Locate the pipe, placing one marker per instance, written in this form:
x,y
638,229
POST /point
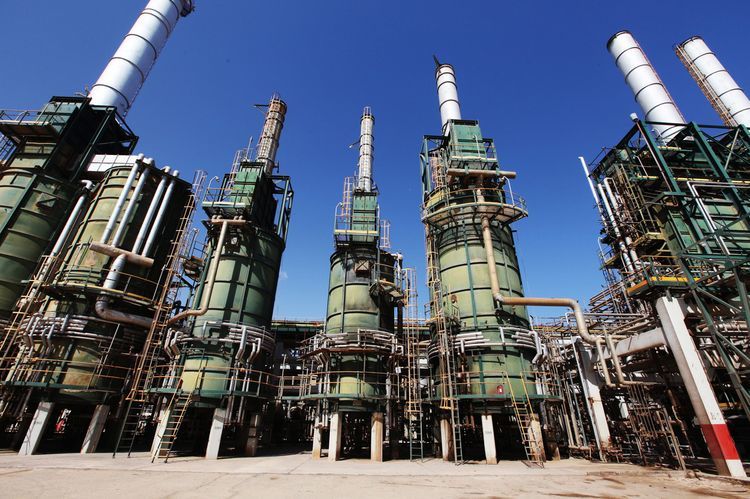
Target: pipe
x,y
131,257
121,229
721,90
120,202
268,143
87,186
160,214
102,302
206,293
619,209
450,108
145,225
127,70
481,173
649,90
616,229
366,151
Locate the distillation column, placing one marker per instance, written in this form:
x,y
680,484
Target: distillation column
x,y
468,211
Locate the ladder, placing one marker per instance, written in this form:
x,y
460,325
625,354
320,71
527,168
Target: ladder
x,y
449,396
524,413
414,413
178,407
144,371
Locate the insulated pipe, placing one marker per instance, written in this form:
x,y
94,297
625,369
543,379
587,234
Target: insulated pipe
x,y
268,143
125,73
152,208
450,108
208,289
615,227
724,94
120,202
132,203
160,214
88,186
366,151
649,90
618,208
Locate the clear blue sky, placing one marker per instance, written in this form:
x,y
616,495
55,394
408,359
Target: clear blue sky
x,y
536,74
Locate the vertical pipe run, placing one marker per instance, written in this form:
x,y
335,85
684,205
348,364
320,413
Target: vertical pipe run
x,y
450,108
268,143
126,71
649,90
120,202
366,151
722,91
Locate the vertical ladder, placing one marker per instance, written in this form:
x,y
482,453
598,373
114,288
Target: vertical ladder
x,y
414,391
178,407
144,371
524,413
449,385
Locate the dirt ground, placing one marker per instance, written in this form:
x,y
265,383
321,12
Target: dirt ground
x,y
74,475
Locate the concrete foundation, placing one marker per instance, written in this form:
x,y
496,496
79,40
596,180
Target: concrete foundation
x,y
96,427
214,435
376,436
253,435
161,427
536,438
317,447
36,430
446,439
591,383
334,437
488,434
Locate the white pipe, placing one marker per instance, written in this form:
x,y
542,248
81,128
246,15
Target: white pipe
x,y
152,208
649,90
125,73
724,94
268,143
619,208
450,108
132,203
160,214
88,186
366,151
120,202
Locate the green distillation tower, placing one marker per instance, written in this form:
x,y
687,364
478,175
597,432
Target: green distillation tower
x,y
355,354
89,306
222,347
481,351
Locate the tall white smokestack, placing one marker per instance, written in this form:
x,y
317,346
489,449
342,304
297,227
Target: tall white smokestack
x,y
450,109
726,97
123,77
649,90
366,151
268,143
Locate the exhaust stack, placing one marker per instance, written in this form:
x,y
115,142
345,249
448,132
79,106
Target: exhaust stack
x,y
726,97
268,143
649,90
450,109
366,151
126,71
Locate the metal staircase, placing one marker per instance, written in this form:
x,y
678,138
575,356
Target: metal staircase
x,y
177,409
524,414
449,384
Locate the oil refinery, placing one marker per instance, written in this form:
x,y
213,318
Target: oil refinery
x,y
137,299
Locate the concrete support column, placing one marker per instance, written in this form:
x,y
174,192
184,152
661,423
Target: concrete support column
x,y
591,383
253,435
334,436
214,435
317,437
96,427
488,434
161,427
36,430
446,439
536,438
707,411
376,437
